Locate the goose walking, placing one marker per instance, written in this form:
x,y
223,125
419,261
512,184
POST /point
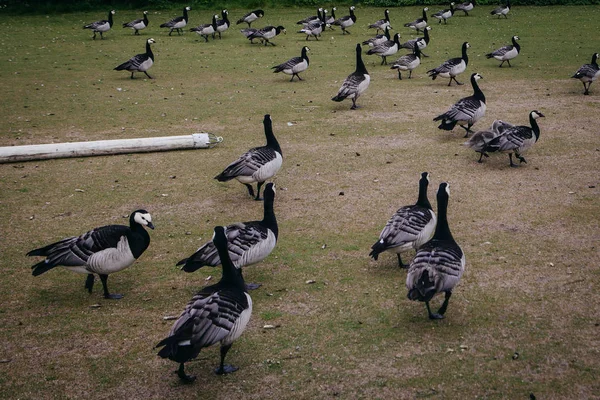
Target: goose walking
x,y
250,17
420,23
588,73
421,42
465,7
387,48
438,264
330,19
506,53
467,110
295,65
103,251
140,62
502,11
378,39
408,63
381,24
138,24
249,33
312,18
452,67
409,228
102,25
444,15
217,313
480,139
205,30
313,29
223,24
257,164
346,21
356,83
266,34
177,23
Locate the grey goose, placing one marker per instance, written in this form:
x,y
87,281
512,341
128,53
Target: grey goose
x,y
138,24
588,73
502,11
346,21
140,62
506,53
265,34
480,139
408,63
385,49
465,7
223,24
444,15
177,23
313,28
422,42
102,25
356,83
250,17
294,65
378,39
420,23
312,18
452,67
381,24
205,30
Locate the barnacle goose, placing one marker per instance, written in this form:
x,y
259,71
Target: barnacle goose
x,y
346,21
452,67
265,34
248,242
467,110
311,18
177,23
356,83
409,227
588,73
101,26
217,313
420,23
257,164
378,39
506,53
140,62
381,24
138,24
251,17
517,139
313,29
444,15
465,7
331,19
387,48
249,33
295,65
481,139
207,29
502,10
408,62
422,42
223,23
103,251
439,263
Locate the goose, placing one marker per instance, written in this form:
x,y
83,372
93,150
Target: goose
x,y
452,67
313,29
409,227
502,10
465,7
251,17
312,18
387,48
267,33
257,164
103,251
408,63
422,42
223,23
506,53
444,15
140,62
381,24
217,313
439,263
102,25
481,139
294,65
517,139
356,83
420,23
207,29
249,33
248,242
588,73
331,19
467,110
177,23
346,21
378,39
138,24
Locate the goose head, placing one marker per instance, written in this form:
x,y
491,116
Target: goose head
x,y
535,114
145,13
150,41
143,218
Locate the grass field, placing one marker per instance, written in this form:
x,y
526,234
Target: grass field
x,y
524,319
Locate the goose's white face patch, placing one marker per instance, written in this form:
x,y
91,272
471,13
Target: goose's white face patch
x,y
188,9
142,219
448,189
113,12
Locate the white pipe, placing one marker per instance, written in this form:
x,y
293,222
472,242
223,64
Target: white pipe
x,y
107,147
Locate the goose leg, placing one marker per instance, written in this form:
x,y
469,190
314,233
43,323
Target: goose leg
x,y
300,79
444,306
354,106
424,55
587,88
183,376
500,66
399,75
521,158
258,186
223,368
511,161
89,282
94,37
457,82
410,74
107,295
148,75
131,74
508,61
400,263
250,189
432,315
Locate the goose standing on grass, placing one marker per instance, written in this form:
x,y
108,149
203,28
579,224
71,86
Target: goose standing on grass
x,y
452,67
480,139
502,10
382,23
409,228
257,164
295,65
223,24
266,34
217,313
387,48
346,21
356,83
331,19
422,42
517,139
312,18
467,110
177,23
465,7
506,53
588,73
444,15
251,17
378,39
420,23
101,251
313,29
248,242
101,26
408,62
249,33
140,62
138,24
438,264
205,30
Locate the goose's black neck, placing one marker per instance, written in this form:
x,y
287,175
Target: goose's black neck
x,y
465,57
515,44
110,19
426,35
146,19
269,219
231,276
387,33
477,93
423,201
534,126
417,51
360,65
225,16
303,55
387,15
352,16
271,140
185,14
424,15
442,230
214,22
595,60
149,50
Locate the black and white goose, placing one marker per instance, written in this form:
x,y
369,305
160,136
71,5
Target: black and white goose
x,y
177,23
257,164
223,24
140,62
506,53
517,139
250,17
444,15
266,34
408,62
465,7
381,24
502,10
249,33
588,73
248,242
422,42
103,251
467,110
439,263
313,28
102,25
217,313
480,139
205,30
356,83
138,24
330,19
312,18
295,65
387,48
409,228
346,21
452,67
378,39
420,23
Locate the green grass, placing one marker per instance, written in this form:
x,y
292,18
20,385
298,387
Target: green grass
x,y
530,235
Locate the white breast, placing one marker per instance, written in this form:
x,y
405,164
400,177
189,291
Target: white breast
x,y
240,324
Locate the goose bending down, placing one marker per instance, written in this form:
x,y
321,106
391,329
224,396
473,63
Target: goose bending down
x,y
103,251
422,42
102,25
177,23
140,62
356,83
517,139
409,228
588,73
408,62
452,67
257,164
420,23
248,242
381,24
205,30
387,48
346,21
223,24
312,18
378,39
330,19
249,33
313,29
444,15
295,65
138,24
467,110
480,139
217,313
502,10
465,7
506,53
266,34
438,264
250,17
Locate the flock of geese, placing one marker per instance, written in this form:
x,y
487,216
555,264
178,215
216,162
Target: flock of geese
x,y
220,313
